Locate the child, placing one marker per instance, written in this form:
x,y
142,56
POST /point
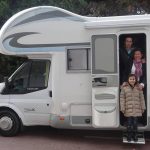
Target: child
x,y
132,105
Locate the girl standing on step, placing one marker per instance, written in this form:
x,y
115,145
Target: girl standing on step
x,y
132,105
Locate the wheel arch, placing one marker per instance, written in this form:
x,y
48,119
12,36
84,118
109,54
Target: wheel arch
x,y
14,110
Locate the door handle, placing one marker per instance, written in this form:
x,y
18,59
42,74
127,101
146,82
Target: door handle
x,y
103,80
100,81
50,93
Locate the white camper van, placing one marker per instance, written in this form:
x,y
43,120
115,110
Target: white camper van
x,y
71,79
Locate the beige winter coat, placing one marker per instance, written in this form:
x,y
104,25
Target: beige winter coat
x,y
132,101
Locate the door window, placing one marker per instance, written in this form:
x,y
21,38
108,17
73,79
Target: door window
x,y
104,56
39,74
31,77
19,82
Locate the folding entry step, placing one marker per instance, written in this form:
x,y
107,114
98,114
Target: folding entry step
x,y
141,139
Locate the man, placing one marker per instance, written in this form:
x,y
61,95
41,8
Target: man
x,y
125,57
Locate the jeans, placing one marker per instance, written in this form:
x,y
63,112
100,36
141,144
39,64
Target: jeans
x,y
132,123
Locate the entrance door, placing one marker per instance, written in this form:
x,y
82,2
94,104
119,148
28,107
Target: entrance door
x,y
105,82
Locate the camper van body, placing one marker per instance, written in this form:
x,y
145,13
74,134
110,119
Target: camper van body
x,y
80,57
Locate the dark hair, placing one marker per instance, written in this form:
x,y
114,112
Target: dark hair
x,y
138,50
133,75
130,38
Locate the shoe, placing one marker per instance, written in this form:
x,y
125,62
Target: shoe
x,y
135,138
129,138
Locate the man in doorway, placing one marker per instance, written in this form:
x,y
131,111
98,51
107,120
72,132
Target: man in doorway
x,y
125,57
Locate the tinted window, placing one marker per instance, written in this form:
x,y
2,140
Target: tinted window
x,y
104,58
39,74
78,59
32,76
20,80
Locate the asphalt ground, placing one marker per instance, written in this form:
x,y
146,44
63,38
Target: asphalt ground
x,y
46,138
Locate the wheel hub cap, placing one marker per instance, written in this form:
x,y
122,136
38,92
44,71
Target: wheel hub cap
x,y
6,123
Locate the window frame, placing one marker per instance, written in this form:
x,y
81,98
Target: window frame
x,y
30,74
28,89
88,57
93,66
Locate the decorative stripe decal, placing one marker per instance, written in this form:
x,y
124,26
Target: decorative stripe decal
x,y
11,44
55,15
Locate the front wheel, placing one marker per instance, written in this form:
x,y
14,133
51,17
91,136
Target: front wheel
x,y
9,123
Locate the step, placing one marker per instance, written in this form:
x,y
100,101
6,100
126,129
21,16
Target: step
x,y
140,135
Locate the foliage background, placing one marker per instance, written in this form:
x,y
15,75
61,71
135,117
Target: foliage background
x,y
83,7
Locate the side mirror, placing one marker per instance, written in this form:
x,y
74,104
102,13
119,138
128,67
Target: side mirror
x,y
6,82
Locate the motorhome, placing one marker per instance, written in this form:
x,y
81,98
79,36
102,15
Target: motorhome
x,y
71,79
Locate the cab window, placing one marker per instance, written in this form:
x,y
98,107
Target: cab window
x,y
32,76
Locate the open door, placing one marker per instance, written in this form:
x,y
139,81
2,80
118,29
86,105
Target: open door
x,y
105,82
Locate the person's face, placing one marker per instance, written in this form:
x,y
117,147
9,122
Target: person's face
x,y
128,42
137,55
132,80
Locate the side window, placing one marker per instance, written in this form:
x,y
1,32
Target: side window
x,y
39,74
78,59
104,55
31,77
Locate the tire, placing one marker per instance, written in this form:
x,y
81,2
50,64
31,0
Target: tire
x,y
9,123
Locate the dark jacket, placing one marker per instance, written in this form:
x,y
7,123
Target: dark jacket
x,y
125,60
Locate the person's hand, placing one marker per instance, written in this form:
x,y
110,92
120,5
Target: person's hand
x,y
123,111
143,61
141,86
143,111
124,84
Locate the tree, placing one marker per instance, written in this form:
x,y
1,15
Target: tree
x,y
82,7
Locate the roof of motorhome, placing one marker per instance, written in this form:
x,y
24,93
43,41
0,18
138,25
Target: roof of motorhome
x,y
55,13
47,29
118,21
